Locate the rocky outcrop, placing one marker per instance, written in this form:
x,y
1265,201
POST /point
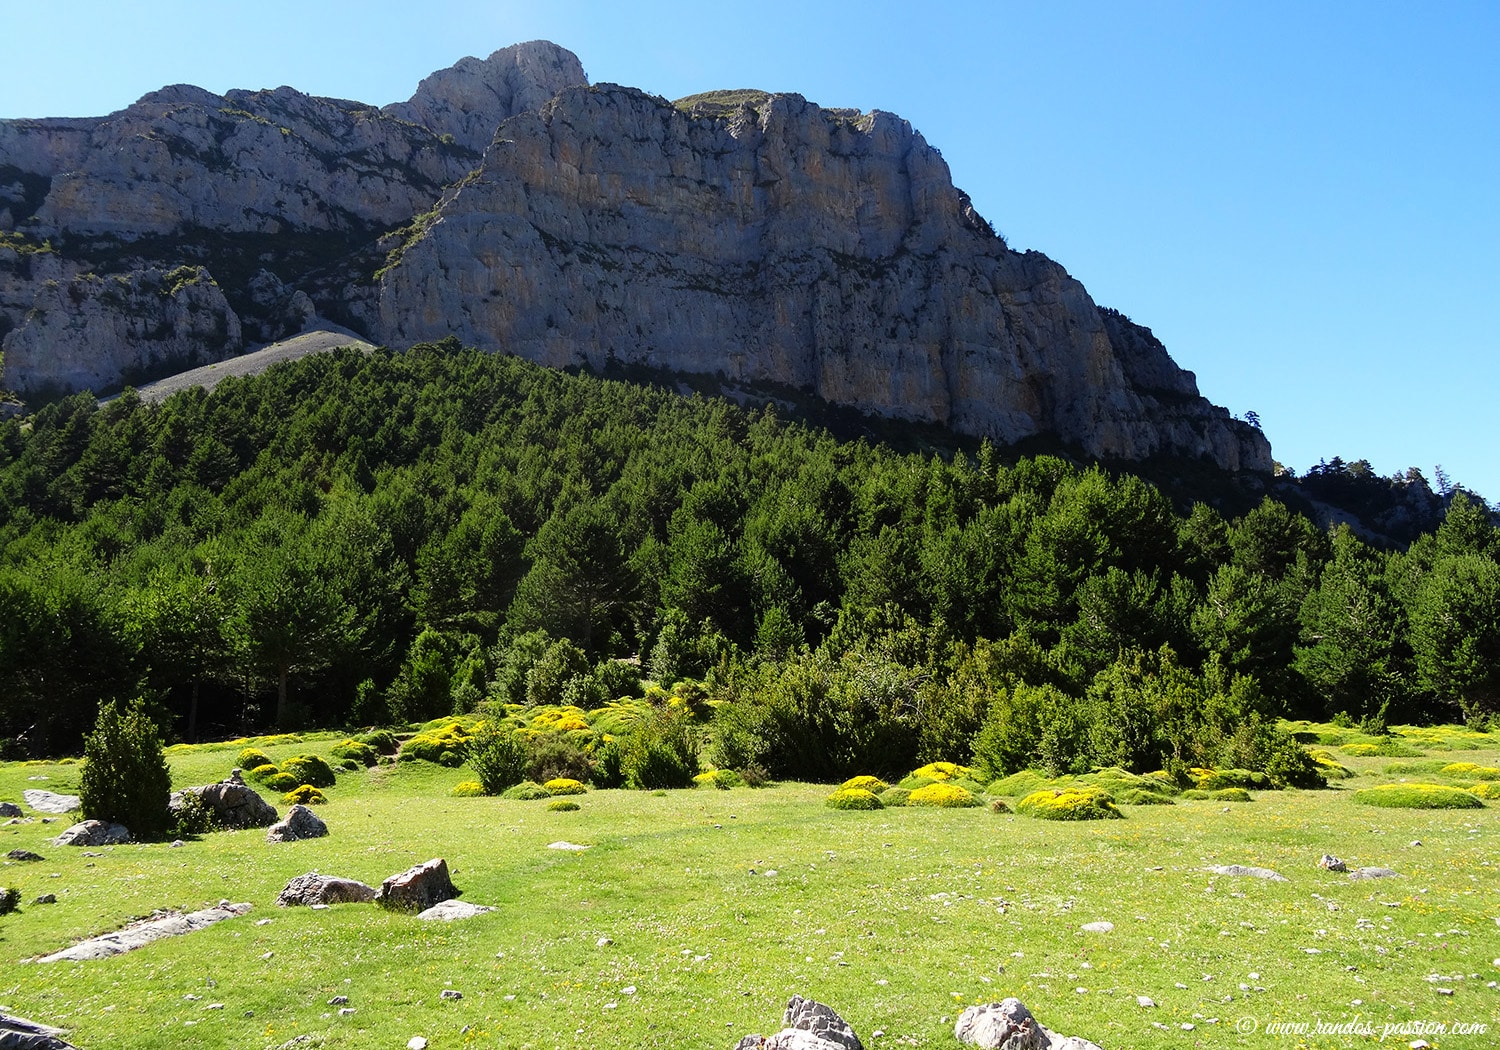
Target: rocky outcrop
x,y
300,823
418,888
1008,1025
312,889
806,1025
51,801
233,803
781,243
93,833
140,934
470,99
17,1033
93,333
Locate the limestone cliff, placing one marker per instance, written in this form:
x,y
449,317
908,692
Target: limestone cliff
x,y
774,241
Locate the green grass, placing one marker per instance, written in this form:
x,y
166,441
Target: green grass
x,y
932,902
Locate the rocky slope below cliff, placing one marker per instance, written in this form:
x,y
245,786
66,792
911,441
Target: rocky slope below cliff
x,y
760,238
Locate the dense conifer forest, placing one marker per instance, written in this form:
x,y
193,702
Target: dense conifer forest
x,y
363,539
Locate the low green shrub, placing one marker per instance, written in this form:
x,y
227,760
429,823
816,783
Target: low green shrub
x,y
563,805
382,740
723,779
558,754
194,817
467,789
1486,789
1219,779
125,778
1409,769
895,797
564,786
1196,795
943,771
497,755
866,783
252,757
1330,767
609,764
263,774
662,752
853,798
280,782
353,750
1389,748
526,791
443,745
1230,795
1418,796
350,765
309,769
973,787
1018,784
1470,769
1072,803
1142,797
913,782
304,795
943,796
1116,780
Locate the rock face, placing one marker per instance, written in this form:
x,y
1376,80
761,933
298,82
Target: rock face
x,y
1008,1025
782,243
140,934
282,196
93,833
755,237
94,332
806,1025
312,888
300,823
418,888
234,803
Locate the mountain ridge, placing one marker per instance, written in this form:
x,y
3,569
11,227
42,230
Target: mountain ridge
x,y
749,234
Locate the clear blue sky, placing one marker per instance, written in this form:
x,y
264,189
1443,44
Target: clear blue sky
x,y
1302,200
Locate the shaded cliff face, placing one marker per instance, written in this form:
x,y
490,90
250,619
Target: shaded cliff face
x,y
776,241
265,189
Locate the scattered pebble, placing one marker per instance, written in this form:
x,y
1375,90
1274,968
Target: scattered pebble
x,y
338,1000
604,942
1097,927
346,1011
629,989
1145,1001
450,993
416,1042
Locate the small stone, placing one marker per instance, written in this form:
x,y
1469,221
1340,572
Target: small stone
x,y
46,898
338,1000
1145,1001
603,942
450,993
629,989
1328,862
178,844
24,855
214,1006
1097,927
1249,872
346,1011
571,847
1372,873
416,1042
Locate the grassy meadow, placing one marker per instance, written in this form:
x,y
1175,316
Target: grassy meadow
x,y
673,931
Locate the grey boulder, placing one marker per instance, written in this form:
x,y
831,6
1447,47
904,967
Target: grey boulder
x,y
50,801
450,910
1248,872
1373,873
10,809
93,833
300,823
806,1025
1008,1025
17,1033
313,888
233,803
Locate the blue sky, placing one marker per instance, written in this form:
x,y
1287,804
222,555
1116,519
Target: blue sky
x,y
1299,199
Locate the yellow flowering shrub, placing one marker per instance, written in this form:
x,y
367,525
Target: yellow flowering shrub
x,y
944,796
853,798
306,795
1073,803
564,786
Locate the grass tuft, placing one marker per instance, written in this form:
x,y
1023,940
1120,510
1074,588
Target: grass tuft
x,y
1417,796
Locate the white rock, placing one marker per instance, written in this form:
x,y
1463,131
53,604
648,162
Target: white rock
x,y
1097,927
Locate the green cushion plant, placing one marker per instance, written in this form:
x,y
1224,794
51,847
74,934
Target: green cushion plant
x,y
467,789
1418,796
853,798
526,791
1071,803
304,795
563,805
309,769
252,757
866,783
564,786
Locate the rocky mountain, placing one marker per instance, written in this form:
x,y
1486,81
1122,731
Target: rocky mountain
x,y
760,238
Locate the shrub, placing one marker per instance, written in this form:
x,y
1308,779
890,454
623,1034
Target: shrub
x,y
609,765
973,787
1017,784
1073,803
1196,795
723,779
1116,780
353,750
1389,747
1470,769
662,752
554,755
125,779
944,796
1486,789
942,771
1219,779
350,765
1405,769
872,784
526,791
853,798
564,786
497,755
10,900
252,757
443,745
754,775
309,769
1230,795
1289,765
1142,797
895,797
193,816
1330,767
468,789
999,805
305,795
382,740
263,774
912,783
562,805
281,782
1417,796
